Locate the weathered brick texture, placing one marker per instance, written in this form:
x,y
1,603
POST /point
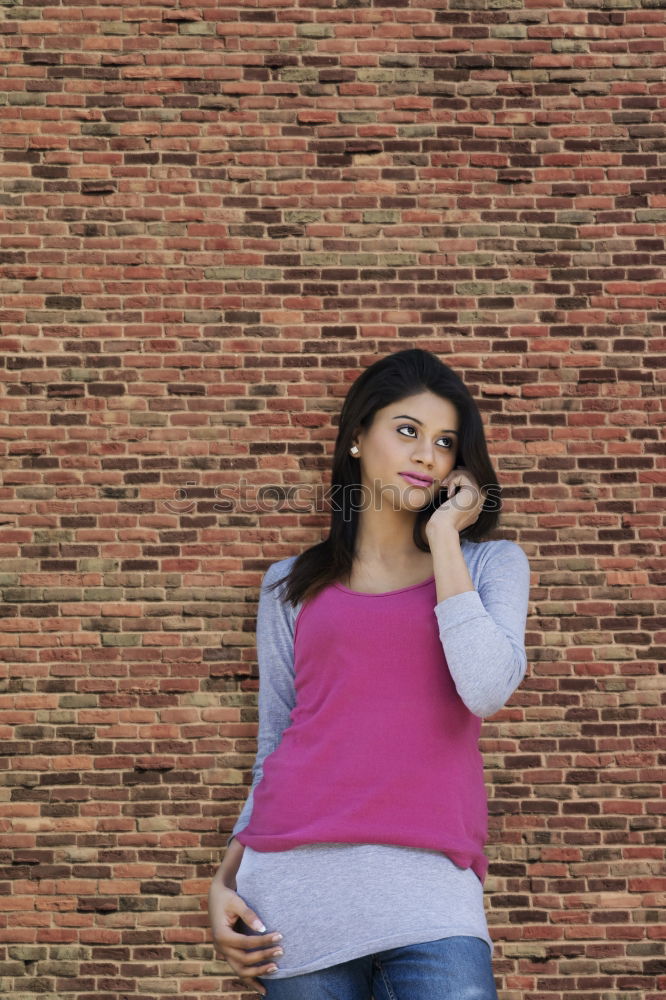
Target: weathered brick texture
x,y
212,215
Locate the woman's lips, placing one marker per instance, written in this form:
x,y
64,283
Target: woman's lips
x,y
413,481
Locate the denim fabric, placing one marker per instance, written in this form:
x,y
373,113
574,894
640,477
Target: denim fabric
x,y
451,968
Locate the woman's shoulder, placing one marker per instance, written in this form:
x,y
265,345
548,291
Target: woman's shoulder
x,y
274,584
492,545
278,569
495,551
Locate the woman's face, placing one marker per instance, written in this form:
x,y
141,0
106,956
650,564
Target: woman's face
x,y
417,434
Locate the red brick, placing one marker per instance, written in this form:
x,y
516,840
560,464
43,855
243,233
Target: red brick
x,y
170,322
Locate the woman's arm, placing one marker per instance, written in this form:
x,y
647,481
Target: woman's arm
x,y
249,955
275,658
483,631
254,954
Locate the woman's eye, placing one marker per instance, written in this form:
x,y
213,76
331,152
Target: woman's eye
x,y
408,427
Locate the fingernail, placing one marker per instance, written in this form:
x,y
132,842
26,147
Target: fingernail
x,y
276,937
272,968
258,926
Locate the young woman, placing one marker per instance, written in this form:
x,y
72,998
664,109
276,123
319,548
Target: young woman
x,y
356,867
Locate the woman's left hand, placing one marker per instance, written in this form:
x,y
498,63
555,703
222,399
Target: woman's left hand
x,y
464,504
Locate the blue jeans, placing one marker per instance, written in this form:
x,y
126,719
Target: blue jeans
x,y
452,968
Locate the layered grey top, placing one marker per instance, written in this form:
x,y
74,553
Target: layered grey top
x,y
334,902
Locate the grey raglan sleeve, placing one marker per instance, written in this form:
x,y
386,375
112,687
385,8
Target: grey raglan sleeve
x,y
483,631
275,658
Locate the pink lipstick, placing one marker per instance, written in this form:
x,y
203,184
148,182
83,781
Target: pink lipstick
x,y
417,480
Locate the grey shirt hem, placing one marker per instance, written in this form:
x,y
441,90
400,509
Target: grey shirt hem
x,y
383,944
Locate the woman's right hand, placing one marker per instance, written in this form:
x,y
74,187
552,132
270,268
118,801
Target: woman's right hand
x,y
248,954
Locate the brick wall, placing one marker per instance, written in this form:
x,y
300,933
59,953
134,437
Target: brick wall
x,y
213,215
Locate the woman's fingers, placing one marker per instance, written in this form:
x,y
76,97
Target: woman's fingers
x,y
258,970
247,915
255,958
229,938
246,972
249,955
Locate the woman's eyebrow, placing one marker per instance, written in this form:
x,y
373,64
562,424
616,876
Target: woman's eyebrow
x,y
417,421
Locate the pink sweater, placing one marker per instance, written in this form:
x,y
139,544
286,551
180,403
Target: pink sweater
x,y
380,748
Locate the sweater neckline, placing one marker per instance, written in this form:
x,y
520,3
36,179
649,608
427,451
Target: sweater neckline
x,y
386,593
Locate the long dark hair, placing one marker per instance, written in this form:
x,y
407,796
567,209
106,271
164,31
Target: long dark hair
x,y
392,378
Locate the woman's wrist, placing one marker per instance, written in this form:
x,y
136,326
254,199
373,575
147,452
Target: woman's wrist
x,y
443,534
224,880
226,873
